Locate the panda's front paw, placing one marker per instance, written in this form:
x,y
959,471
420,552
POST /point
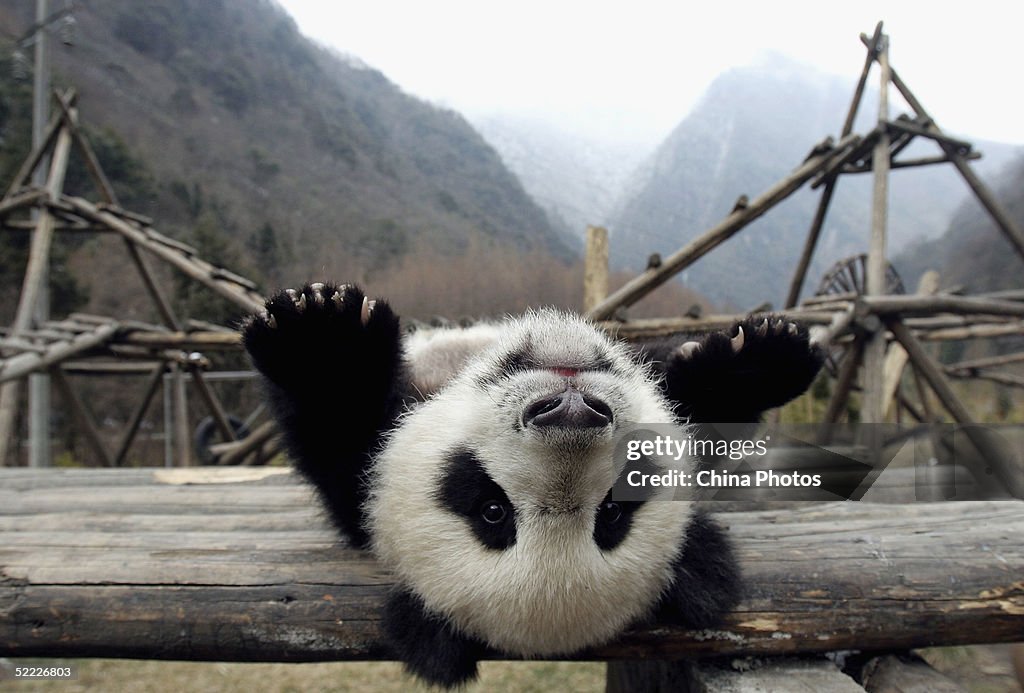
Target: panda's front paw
x,y
734,376
321,332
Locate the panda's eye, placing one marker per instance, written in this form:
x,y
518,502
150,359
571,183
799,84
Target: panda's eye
x,y
493,512
609,512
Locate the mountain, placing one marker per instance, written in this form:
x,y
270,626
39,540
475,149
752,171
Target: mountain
x,y
301,161
752,127
576,178
973,252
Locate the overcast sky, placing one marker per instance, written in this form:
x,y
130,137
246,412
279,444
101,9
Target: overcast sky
x,y
637,68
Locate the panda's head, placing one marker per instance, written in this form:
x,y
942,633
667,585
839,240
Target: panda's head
x,y
492,500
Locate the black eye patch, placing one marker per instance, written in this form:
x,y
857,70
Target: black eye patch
x,y
613,521
467,490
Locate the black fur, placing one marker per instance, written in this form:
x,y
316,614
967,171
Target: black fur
x,y
718,385
427,644
613,522
337,385
465,489
707,578
334,385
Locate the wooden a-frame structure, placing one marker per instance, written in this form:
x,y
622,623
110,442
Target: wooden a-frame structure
x,y
102,345
878,332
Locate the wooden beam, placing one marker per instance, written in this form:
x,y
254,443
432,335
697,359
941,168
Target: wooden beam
x,y
654,277
156,378
1009,471
858,93
872,379
930,305
1003,220
896,356
208,396
22,364
85,420
24,173
595,268
252,572
797,283
228,285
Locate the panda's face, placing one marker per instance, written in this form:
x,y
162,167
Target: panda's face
x,y
492,499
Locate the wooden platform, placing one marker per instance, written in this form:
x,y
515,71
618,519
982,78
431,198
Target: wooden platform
x,y
237,564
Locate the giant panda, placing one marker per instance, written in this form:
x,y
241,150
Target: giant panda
x,y
477,465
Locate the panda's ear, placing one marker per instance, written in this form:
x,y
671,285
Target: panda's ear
x,y
427,644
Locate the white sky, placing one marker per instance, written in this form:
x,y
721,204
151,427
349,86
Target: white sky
x,y
632,70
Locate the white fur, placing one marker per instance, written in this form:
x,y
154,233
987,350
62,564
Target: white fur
x,y
554,591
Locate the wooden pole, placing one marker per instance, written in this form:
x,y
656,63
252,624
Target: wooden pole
x,y
875,284
182,439
796,285
1011,476
33,286
85,420
133,426
1006,224
654,277
220,417
896,356
595,270
844,383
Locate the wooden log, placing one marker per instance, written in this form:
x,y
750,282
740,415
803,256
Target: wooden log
x,y
873,376
896,356
929,305
1006,224
972,331
650,328
844,383
962,147
34,284
156,378
989,362
646,282
912,163
162,559
28,166
220,281
21,201
1011,379
800,274
203,341
904,673
30,362
858,92
1009,471
595,270
209,398
85,420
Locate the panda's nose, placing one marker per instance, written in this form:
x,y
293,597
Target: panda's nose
x,y
568,409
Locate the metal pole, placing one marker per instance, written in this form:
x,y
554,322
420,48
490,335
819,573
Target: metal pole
x,y
39,452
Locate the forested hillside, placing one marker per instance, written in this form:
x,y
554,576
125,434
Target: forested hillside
x,y
269,153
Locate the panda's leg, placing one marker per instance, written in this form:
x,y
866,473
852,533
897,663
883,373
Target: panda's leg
x,y
706,583
737,375
427,644
333,368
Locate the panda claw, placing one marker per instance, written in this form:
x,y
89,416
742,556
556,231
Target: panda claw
x,y
270,320
338,299
317,289
292,294
301,303
737,341
762,329
793,329
364,312
688,349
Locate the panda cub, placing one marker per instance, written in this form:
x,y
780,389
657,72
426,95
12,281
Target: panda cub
x,y
477,465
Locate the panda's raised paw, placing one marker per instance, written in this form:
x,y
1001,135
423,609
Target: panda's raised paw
x,y
318,330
